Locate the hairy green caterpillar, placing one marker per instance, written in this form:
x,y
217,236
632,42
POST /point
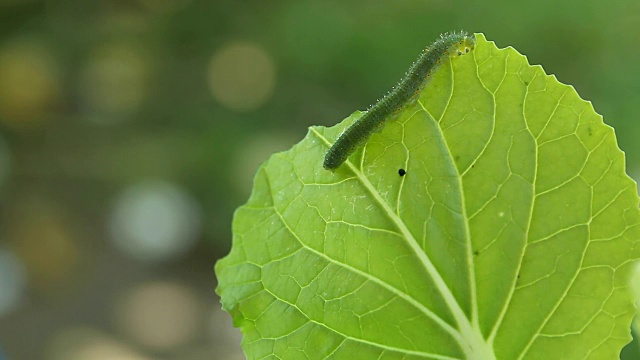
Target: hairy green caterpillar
x,y
405,93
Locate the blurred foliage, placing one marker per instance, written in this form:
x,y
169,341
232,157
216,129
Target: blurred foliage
x,y
97,96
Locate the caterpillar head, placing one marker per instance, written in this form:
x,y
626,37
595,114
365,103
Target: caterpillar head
x,y
463,46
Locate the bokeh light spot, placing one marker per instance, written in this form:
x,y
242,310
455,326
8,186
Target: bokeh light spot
x,y
155,221
114,82
29,82
242,76
160,315
80,343
45,242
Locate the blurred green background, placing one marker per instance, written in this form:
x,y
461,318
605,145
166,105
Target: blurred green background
x,y
131,129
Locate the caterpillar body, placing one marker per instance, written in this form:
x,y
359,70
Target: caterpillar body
x,y
405,93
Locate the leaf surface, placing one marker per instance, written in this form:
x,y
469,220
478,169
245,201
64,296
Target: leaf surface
x,y
511,235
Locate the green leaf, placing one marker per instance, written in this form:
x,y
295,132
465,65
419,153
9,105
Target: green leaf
x,y
511,235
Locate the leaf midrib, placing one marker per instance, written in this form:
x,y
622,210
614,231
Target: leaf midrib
x,y
411,241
